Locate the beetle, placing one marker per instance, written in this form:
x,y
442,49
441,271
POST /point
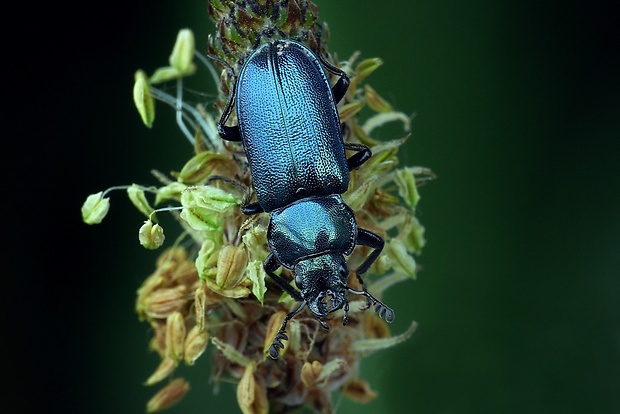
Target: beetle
x,y
290,129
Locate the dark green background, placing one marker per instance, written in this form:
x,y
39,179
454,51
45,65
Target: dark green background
x,y
517,111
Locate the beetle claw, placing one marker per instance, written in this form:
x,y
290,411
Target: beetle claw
x,y
277,343
384,311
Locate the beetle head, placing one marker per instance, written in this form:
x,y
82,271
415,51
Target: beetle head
x,y
322,281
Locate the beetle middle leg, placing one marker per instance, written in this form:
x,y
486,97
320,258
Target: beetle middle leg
x,y
341,87
271,265
362,155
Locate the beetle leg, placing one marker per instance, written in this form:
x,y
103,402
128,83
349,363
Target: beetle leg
x,y
270,265
340,88
363,154
250,209
372,240
281,335
229,133
345,319
381,308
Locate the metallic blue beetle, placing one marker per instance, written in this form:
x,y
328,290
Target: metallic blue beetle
x,y
291,132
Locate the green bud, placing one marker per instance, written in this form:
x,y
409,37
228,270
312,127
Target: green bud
x,y
171,191
375,101
383,118
366,67
151,236
357,199
412,234
407,189
349,110
368,346
95,208
200,167
204,207
183,53
206,259
402,262
143,99
164,74
138,199
180,59
255,240
256,273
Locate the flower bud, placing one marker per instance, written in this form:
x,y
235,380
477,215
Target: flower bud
x,y
375,101
349,110
200,167
366,67
203,207
402,262
256,273
138,199
183,53
407,189
95,208
227,278
143,99
170,191
151,236
180,59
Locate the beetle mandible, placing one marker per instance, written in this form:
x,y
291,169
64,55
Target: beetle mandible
x,y
290,129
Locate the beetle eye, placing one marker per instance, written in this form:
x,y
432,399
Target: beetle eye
x,y
343,270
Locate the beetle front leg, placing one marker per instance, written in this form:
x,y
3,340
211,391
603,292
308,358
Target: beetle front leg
x,y
281,335
271,265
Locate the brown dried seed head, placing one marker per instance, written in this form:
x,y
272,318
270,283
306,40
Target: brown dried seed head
x,y
195,344
231,265
162,302
200,306
149,285
310,372
273,326
358,390
165,368
168,396
175,336
251,394
375,327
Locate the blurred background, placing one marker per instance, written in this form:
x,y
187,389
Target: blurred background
x,y
516,109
